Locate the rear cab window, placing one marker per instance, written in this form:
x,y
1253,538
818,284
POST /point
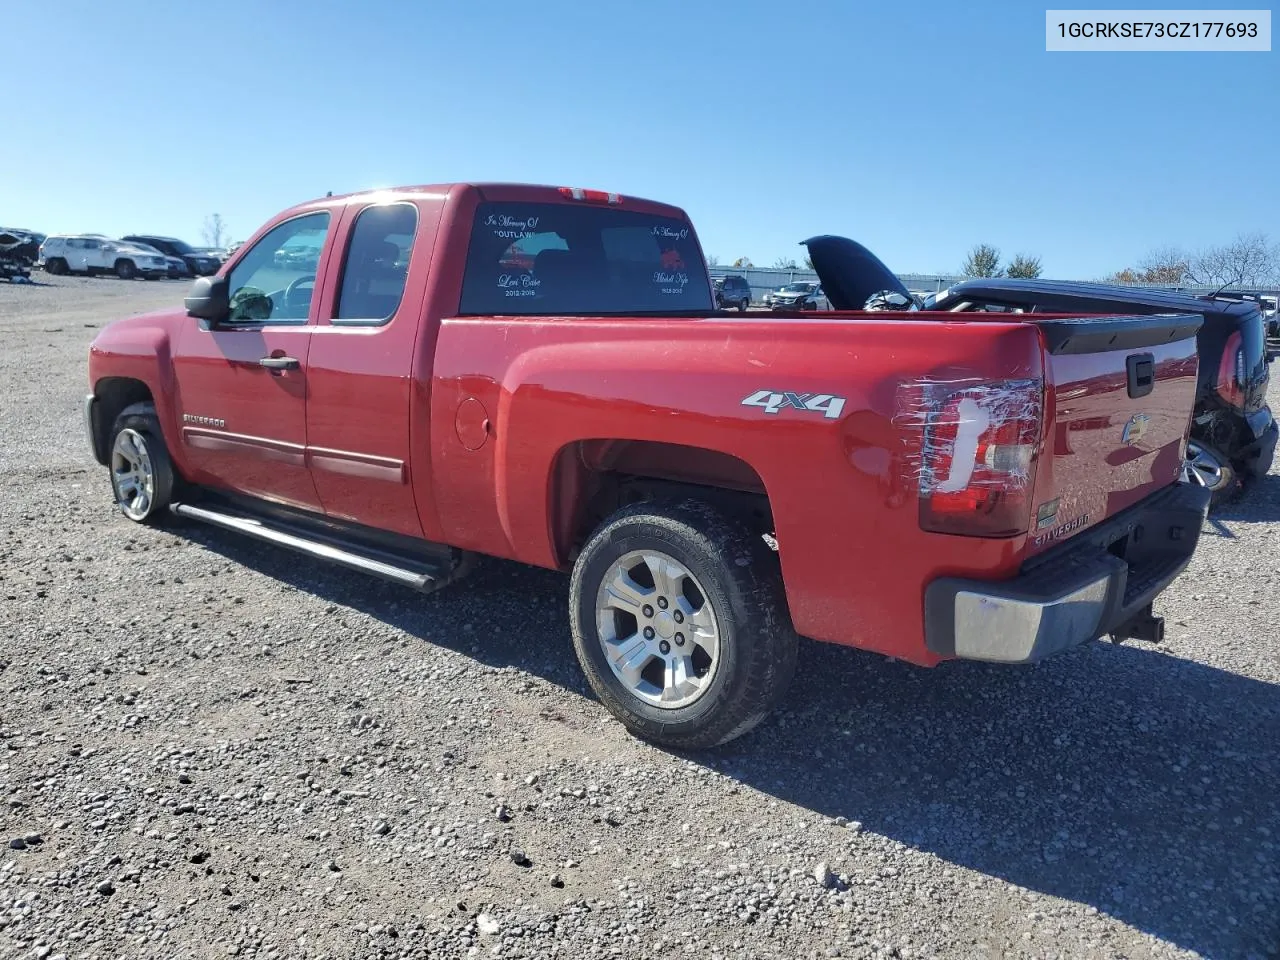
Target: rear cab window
x,y
544,259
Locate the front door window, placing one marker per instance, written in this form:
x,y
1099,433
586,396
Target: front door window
x,y
275,280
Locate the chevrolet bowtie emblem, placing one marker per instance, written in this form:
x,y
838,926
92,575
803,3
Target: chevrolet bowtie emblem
x,y
1135,429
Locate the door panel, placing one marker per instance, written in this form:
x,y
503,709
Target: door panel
x,y
358,426
243,426
243,382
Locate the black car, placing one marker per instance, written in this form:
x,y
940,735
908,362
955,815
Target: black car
x,y
1233,433
732,291
200,264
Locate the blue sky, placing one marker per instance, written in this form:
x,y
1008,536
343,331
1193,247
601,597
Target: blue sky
x,y
919,129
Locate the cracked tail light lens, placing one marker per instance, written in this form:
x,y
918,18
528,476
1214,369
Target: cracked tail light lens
x,y
1231,372
979,459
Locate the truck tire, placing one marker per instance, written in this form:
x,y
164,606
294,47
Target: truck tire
x,y
680,623
142,476
125,269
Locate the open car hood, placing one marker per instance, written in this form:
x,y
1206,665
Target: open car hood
x,y
850,273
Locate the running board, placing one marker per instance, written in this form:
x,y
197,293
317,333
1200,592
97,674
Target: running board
x,y
315,548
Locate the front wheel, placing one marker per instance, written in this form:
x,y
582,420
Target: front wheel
x,y
1206,467
142,476
680,624
126,270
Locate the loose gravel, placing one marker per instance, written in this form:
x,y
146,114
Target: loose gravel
x,y
210,748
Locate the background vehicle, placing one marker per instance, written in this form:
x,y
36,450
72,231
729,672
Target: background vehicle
x,y
200,264
1233,433
524,372
732,291
17,253
93,254
801,295
177,268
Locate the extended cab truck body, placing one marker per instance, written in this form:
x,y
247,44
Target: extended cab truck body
x,y
539,374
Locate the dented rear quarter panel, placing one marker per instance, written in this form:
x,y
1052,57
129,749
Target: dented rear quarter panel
x,y
843,491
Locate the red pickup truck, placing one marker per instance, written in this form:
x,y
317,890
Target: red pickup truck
x,y
399,381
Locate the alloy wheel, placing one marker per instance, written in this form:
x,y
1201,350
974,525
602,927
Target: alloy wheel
x,y
660,635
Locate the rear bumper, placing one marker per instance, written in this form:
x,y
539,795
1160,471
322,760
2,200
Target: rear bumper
x,y
1091,586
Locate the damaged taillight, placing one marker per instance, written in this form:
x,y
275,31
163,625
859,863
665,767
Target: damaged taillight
x,y
979,458
1231,372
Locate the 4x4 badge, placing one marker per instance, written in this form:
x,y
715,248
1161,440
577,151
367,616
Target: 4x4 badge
x,y
770,401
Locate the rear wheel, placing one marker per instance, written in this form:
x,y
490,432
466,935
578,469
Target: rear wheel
x,y
126,270
743,304
680,625
56,265
142,476
1206,467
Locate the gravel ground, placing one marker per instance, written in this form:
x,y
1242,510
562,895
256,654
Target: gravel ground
x,y
210,748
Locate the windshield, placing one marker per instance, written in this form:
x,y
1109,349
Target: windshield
x,y
798,288
182,248
561,258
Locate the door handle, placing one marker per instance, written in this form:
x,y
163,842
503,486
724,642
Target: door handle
x,y
278,363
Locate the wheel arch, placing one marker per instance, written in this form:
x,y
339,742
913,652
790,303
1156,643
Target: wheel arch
x,y
112,395
590,479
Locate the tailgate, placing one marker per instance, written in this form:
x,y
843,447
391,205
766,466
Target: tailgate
x,y
1119,394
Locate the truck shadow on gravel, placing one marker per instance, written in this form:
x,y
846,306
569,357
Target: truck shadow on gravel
x,y
1125,779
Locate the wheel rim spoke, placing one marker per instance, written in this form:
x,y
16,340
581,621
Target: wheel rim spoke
x,y
629,659
679,680
667,574
625,594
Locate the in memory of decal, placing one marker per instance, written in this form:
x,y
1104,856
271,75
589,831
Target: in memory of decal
x,y
771,401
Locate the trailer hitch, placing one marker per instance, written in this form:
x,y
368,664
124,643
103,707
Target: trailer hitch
x,y
1144,626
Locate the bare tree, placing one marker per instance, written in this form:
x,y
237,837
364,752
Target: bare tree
x,y
785,263
215,231
1024,266
743,263
983,261
1251,259
713,260
808,263
1165,265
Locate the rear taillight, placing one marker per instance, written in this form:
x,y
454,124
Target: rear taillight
x,y
1231,372
978,462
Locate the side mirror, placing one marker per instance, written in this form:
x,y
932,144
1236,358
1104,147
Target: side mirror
x,y
208,299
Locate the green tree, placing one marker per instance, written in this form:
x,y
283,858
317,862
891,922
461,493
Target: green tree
x,y
1023,266
983,261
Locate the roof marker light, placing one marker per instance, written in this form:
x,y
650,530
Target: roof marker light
x,y
590,196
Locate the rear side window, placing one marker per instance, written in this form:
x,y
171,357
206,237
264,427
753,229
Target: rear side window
x,y
561,258
377,262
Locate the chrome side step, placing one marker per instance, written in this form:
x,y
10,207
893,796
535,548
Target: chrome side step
x,y
324,551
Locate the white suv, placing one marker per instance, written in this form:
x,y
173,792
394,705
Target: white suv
x,y
93,253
